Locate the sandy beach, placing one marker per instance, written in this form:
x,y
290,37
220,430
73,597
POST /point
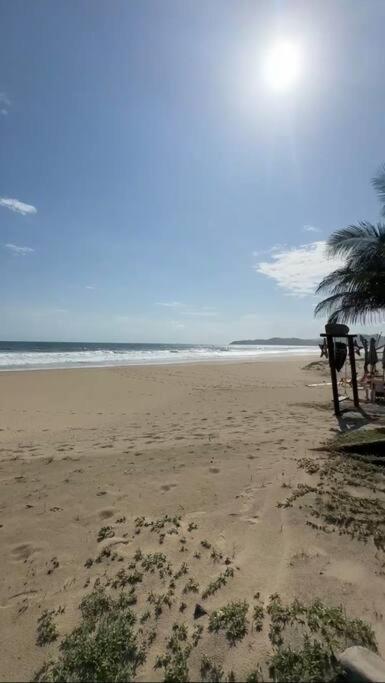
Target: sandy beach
x,y
216,444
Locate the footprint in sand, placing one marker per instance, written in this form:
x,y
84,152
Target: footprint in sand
x,y
22,552
107,513
167,487
251,520
214,470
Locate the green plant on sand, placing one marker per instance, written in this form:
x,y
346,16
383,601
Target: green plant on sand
x,y
104,646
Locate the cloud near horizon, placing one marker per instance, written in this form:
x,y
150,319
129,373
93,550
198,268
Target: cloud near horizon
x,y
19,251
186,310
5,103
17,206
204,312
298,270
169,304
311,228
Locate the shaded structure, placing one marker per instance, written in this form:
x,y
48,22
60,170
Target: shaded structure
x,y
336,352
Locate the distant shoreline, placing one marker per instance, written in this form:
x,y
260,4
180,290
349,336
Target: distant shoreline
x,y
261,358
38,356
277,341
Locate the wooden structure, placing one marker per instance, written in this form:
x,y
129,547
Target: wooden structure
x,y
330,336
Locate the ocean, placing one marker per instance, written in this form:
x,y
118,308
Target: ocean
x,y
42,355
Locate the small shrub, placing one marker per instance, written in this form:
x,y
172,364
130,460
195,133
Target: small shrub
x,y
258,615
314,662
231,619
191,586
210,671
220,581
46,628
105,532
175,661
183,570
159,600
104,646
124,578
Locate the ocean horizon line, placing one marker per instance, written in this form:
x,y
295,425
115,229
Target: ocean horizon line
x,y
63,355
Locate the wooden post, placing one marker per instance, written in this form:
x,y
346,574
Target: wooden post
x,y
333,373
353,370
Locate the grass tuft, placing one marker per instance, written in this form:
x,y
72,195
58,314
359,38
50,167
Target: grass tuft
x,y
46,628
105,532
231,619
103,647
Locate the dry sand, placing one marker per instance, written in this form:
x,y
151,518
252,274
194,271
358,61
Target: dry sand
x,y
215,443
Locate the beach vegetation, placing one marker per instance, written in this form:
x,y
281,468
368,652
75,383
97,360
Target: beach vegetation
x,y
124,578
159,600
175,661
191,586
312,662
332,507
205,544
216,555
218,582
181,571
145,616
156,561
231,619
105,532
210,671
192,526
255,676
105,646
197,634
46,628
331,624
258,616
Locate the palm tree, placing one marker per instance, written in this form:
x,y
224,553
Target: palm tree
x,y
356,291
378,183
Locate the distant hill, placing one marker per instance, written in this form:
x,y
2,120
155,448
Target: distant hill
x,y
274,341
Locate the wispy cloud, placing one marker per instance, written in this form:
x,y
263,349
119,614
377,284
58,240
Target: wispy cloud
x,y
311,228
90,287
271,250
169,304
5,103
17,206
187,310
18,251
298,270
204,312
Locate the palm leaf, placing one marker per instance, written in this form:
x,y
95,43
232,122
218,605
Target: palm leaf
x,y
356,291
378,183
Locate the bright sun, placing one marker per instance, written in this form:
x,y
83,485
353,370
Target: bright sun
x,y
282,66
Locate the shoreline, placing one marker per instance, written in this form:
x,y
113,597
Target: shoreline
x,y
262,357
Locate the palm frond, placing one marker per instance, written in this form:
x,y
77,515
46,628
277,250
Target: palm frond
x,y
356,291
378,183
358,241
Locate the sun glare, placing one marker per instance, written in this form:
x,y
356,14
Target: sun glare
x,y
282,66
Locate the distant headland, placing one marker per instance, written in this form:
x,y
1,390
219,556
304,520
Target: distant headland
x,y
275,341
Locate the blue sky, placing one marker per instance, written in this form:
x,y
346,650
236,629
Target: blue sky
x,y
155,188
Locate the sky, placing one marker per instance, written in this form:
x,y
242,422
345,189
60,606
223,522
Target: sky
x,y
155,187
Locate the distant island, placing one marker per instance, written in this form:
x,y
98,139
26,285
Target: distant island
x,y
275,341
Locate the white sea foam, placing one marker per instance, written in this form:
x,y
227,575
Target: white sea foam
x,y
22,360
